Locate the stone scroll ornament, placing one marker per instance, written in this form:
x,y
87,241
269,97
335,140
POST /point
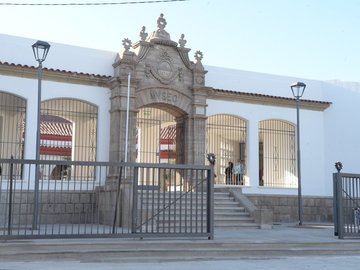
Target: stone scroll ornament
x,y
198,55
127,44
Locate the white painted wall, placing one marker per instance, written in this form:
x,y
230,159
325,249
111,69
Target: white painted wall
x,y
326,137
311,135
261,83
18,50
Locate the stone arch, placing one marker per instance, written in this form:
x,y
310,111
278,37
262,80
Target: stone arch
x,y
160,134
172,99
156,71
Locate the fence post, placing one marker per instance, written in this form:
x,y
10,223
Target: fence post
x,y
340,214
10,196
337,201
135,198
210,200
335,204
117,200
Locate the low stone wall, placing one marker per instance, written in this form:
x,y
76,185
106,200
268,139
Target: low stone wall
x,y
54,207
285,208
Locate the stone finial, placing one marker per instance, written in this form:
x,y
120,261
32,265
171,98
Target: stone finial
x,y
198,55
338,166
182,41
143,34
161,22
127,44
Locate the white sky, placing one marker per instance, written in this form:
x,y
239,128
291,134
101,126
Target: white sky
x,y
315,39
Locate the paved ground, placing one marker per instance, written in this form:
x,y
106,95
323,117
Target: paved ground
x,y
284,247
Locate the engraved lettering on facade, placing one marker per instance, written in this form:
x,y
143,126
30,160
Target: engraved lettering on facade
x,y
164,96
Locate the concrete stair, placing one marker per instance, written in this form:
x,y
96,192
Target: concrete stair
x,y
182,216
230,214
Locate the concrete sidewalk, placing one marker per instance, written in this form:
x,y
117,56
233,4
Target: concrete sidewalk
x,y
282,240
283,247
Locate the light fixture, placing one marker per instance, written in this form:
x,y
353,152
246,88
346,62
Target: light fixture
x,y
40,49
298,89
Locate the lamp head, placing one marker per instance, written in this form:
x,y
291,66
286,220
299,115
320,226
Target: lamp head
x,y
40,49
298,89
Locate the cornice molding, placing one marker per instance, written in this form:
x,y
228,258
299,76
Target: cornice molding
x,y
268,100
56,75
24,71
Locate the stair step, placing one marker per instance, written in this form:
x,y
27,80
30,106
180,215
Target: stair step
x,y
237,226
228,208
228,213
232,215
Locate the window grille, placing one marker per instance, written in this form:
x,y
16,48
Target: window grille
x,y
68,132
226,138
12,131
277,159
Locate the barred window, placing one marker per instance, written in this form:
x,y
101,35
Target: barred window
x,y
277,159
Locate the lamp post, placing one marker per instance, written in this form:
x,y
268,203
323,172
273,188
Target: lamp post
x,y
298,90
40,49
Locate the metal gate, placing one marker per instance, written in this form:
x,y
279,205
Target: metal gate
x,y
346,205
104,199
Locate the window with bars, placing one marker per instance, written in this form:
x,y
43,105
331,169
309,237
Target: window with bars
x,y
226,138
12,125
12,130
68,131
277,158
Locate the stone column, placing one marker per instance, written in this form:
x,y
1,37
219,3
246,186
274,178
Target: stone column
x,y
195,140
118,117
118,191
253,147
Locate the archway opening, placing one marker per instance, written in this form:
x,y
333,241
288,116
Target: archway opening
x,y
159,136
226,138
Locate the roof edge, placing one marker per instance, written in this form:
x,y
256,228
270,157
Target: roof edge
x,y
262,99
25,71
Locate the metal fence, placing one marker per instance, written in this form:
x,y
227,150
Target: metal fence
x,y
104,199
346,205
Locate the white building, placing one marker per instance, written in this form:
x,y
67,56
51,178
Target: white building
x,y
240,116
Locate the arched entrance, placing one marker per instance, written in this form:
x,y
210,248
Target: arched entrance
x,y
159,138
156,76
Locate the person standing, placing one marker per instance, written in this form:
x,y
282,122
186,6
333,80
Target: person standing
x,y
229,173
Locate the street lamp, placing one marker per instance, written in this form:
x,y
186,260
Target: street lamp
x,y
40,49
298,90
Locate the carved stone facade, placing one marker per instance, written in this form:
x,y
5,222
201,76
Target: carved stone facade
x,y
161,75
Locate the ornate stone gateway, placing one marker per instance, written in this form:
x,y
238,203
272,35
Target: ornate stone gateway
x,y
156,72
